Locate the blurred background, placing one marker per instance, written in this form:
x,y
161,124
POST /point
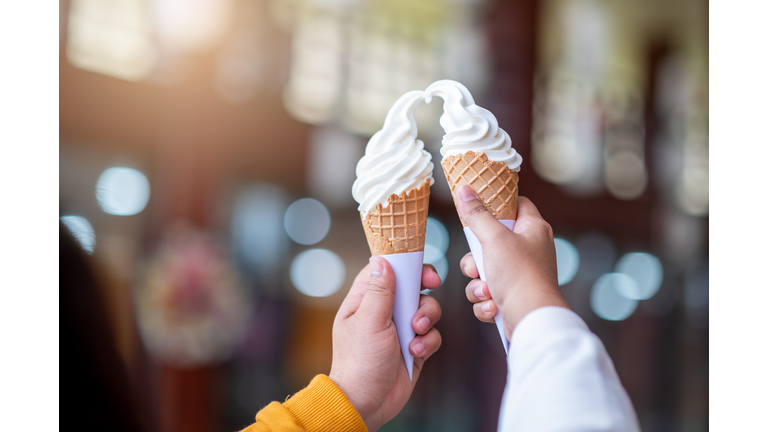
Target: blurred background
x,y
208,149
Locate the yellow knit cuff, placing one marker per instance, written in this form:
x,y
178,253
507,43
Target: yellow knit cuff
x,y
323,407
275,417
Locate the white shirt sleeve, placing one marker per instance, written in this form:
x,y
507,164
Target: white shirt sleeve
x,y
560,378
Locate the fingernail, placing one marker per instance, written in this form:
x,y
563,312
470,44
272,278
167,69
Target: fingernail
x,y
423,324
418,349
480,294
376,268
467,194
486,307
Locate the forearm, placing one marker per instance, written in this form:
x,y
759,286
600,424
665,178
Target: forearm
x,y
561,378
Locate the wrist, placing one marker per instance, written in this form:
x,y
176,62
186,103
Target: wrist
x,y
350,393
530,296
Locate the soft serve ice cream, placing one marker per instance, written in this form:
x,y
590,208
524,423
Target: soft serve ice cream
x,y
395,161
469,127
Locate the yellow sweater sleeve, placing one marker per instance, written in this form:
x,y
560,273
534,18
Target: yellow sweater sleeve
x,y
320,407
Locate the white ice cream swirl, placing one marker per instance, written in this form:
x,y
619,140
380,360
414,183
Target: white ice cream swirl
x,y
395,161
470,127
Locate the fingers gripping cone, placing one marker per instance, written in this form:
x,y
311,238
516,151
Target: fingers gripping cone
x,y
396,233
496,185
477,254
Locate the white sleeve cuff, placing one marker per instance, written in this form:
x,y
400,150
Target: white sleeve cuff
x,y
544,322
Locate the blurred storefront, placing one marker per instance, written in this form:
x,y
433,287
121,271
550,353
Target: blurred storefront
x,y
208,148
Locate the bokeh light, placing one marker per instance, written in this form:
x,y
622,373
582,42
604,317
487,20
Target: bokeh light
x,y
333,156
112,38
188,26
437,235
647,272
607,299
82,230
307,221
567,261
693,190
257,239
338,60
122,191
625,175
315,79
436,244
317,272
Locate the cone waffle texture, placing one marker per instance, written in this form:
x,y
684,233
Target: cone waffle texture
x,y
401,226
493,182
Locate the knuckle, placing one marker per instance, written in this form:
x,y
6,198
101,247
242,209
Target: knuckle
x,y
378,286
477,309
433,310
470,290
438,313
438,339
546,229
427,303
466,259
423,300
475,210
469,294
463,263
432,340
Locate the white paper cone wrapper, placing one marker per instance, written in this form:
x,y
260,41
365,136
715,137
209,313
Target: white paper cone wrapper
x,y
407,267
477,254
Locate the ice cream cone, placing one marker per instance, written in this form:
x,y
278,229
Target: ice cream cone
x,y
493,182
401,226
496,185
396,233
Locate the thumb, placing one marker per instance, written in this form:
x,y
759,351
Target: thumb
x,y
477,216
354,297
379,298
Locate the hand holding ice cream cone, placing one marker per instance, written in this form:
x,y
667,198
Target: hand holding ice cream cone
x,y
392,187
367,364
520,263
478,153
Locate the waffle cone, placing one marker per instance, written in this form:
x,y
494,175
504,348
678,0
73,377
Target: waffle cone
x,y
401,226
493,182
